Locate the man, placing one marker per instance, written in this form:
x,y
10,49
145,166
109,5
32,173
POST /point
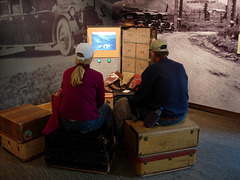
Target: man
x,y
164,85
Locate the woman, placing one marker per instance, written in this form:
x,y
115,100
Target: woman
x,y
82,104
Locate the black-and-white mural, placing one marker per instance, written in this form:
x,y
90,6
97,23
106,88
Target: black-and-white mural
x,y
37,41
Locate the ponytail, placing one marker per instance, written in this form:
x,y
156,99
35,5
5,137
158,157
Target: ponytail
x,y
78,73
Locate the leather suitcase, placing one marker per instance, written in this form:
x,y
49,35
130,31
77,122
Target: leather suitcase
x,y
82,161
145,141
161,162
24,122
23,151
97,141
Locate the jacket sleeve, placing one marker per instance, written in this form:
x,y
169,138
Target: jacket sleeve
x,y
142,95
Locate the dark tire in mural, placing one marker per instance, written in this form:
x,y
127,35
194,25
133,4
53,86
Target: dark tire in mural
x,y
161,29
64,37
172,29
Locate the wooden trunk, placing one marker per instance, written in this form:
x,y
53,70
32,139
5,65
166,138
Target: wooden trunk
x,y
145,141
97,141
161,162
24,151
77,160
24,122
92,152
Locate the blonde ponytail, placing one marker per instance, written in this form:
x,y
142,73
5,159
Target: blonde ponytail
x,y
78,73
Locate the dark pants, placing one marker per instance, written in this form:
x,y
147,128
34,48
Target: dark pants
x,y
105,116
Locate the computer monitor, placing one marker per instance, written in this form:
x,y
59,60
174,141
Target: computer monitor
x,y
105,41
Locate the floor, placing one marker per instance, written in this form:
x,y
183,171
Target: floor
x,y
217,157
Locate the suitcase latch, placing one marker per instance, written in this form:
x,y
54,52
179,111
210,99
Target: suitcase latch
x,y
145,138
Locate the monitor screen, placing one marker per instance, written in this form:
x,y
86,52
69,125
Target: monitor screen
x,y
104,41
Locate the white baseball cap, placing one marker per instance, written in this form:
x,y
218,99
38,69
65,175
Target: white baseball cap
x,y
85,49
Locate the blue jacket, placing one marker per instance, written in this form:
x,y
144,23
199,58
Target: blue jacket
x,y
164,84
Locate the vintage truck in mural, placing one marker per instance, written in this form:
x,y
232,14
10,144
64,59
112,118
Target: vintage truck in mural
x,y
150,19
60,23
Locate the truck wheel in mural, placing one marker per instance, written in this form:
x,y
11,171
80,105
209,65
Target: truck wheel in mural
x,y
161,28
65,39
172,29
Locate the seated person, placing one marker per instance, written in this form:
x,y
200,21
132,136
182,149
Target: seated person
x,y
82,104
164,85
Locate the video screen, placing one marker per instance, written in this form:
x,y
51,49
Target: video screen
x,y
104,40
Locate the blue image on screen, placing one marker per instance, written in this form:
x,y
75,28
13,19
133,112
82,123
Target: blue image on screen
x,y
104,40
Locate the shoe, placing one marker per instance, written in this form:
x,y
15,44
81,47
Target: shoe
x,y
113,86
108,89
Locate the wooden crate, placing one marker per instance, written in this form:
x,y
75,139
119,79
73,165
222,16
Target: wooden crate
x,y
161,162
24,122
109,99
46,106
24,151
145,141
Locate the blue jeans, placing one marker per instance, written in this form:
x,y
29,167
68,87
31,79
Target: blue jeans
x,y
164,122
105,117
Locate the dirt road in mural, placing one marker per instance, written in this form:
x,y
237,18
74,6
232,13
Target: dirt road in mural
x,y
213,81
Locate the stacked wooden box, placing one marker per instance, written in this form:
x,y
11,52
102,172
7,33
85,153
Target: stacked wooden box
x,y
20,130
161,148
135,49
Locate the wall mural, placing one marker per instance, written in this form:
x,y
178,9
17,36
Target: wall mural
x,y
37,41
